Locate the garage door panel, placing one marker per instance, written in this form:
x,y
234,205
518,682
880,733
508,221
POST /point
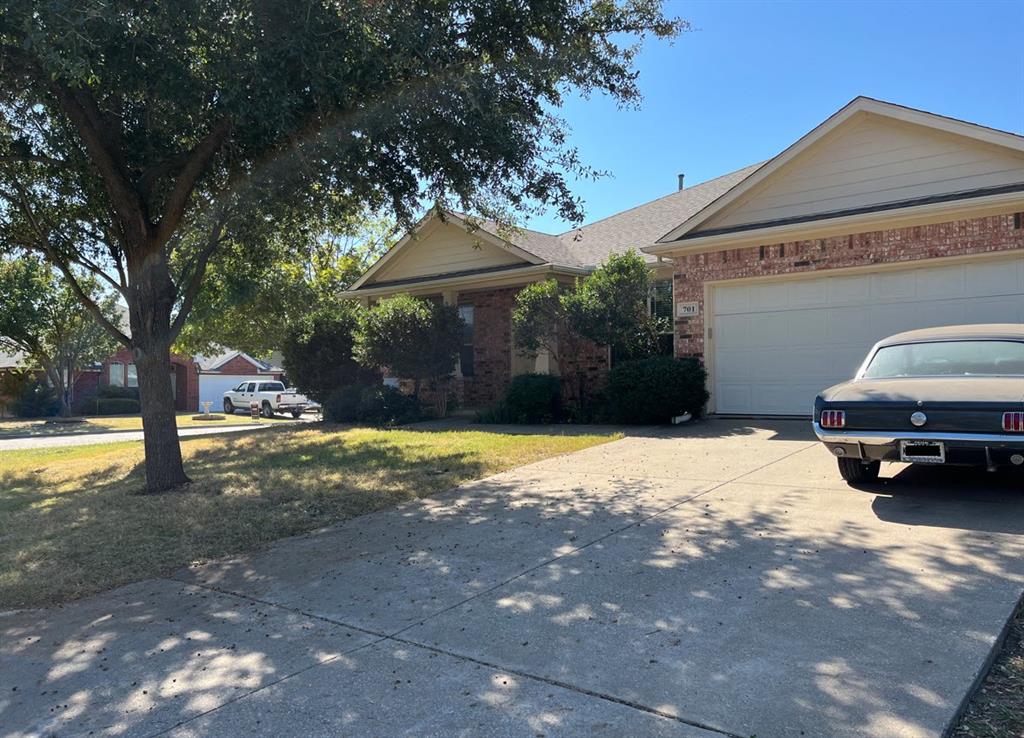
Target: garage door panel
x,y
732,330
939,283
995,279
848,290
811,333
769,296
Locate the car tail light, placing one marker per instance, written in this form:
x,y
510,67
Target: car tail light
x,y
1013,422
833,418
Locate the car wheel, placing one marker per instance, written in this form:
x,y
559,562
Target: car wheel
x,y
268,411
856,471
229,408
297,415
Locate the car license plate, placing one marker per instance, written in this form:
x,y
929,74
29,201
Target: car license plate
x,y
923,452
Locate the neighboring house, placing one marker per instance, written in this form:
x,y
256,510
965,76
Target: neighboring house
x,y
225,371
84,386
881,219
118,370
194,380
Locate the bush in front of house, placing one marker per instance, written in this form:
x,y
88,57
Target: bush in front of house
x,y
115,406
413,339
34,398
374,405
654,390
530,398
317,352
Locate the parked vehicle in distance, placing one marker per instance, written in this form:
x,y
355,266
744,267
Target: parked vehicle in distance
x,y
271,396
951,395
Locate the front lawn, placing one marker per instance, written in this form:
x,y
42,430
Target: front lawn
x,y
72,521
93,424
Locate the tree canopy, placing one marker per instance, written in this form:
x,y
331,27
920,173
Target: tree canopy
x,y
139,140
42,318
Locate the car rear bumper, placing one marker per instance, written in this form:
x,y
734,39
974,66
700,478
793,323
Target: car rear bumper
x,y
982,449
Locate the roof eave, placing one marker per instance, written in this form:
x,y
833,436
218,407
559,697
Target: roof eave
x,y
527,273
830,225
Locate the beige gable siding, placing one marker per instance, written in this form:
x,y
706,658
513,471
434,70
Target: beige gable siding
x,y
442,249
872,161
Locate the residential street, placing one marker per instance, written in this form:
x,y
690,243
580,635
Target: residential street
x,y
712,580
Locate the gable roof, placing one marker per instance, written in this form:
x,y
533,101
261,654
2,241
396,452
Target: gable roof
x,y
644,224
858,107
215,362
580,248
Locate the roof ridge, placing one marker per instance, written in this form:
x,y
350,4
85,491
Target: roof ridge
x,y
657,199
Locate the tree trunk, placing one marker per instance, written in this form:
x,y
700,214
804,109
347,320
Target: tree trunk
x,y
150,304
54,374
164,469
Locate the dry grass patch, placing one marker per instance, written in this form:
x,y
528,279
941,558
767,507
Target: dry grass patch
x,y
997,709
72,521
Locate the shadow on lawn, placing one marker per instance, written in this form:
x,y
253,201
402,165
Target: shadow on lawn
x,y
728,611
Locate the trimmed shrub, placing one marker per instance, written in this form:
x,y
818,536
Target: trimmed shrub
x,y
342,405
109,391
116,406
375,405
647,391
530,398
383,405
35,399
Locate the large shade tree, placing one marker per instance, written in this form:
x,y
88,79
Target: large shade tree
x,y
139,138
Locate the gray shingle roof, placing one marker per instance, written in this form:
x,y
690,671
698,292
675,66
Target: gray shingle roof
x,y
589,245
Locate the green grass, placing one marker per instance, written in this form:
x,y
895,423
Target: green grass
x,y
16,428
73,521
997,709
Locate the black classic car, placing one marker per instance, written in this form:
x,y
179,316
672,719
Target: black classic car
x,y
935,396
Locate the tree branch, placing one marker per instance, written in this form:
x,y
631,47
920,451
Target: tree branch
x,y
191,288
125,200
185,182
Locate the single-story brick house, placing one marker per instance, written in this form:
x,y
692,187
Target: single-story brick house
x,y
193,379
781,275
225,371
118,370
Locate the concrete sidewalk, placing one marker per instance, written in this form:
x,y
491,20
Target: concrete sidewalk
x,y
718,580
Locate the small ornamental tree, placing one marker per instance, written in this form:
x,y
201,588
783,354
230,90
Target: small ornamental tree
x,y
42,318
318,351
412,339
609,308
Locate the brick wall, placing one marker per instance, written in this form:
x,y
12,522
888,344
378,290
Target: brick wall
x,y
492,345
955,238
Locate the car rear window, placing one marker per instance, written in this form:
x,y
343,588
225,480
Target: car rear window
x,y
271,387
948,359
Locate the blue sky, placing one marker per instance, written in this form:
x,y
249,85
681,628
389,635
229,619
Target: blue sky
x,y
752,77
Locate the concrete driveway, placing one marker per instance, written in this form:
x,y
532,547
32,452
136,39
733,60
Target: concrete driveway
x,y
713,580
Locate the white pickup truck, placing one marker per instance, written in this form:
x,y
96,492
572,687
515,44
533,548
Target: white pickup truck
x,y
271,396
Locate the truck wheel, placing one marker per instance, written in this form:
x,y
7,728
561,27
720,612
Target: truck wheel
x,y
268,411
856,471
297,414
229,408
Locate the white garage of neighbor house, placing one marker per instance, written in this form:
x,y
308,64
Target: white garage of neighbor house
x,y
779,276
221,373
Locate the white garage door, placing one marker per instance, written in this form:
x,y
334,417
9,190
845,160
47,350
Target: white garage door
x,y
778,343
213,386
